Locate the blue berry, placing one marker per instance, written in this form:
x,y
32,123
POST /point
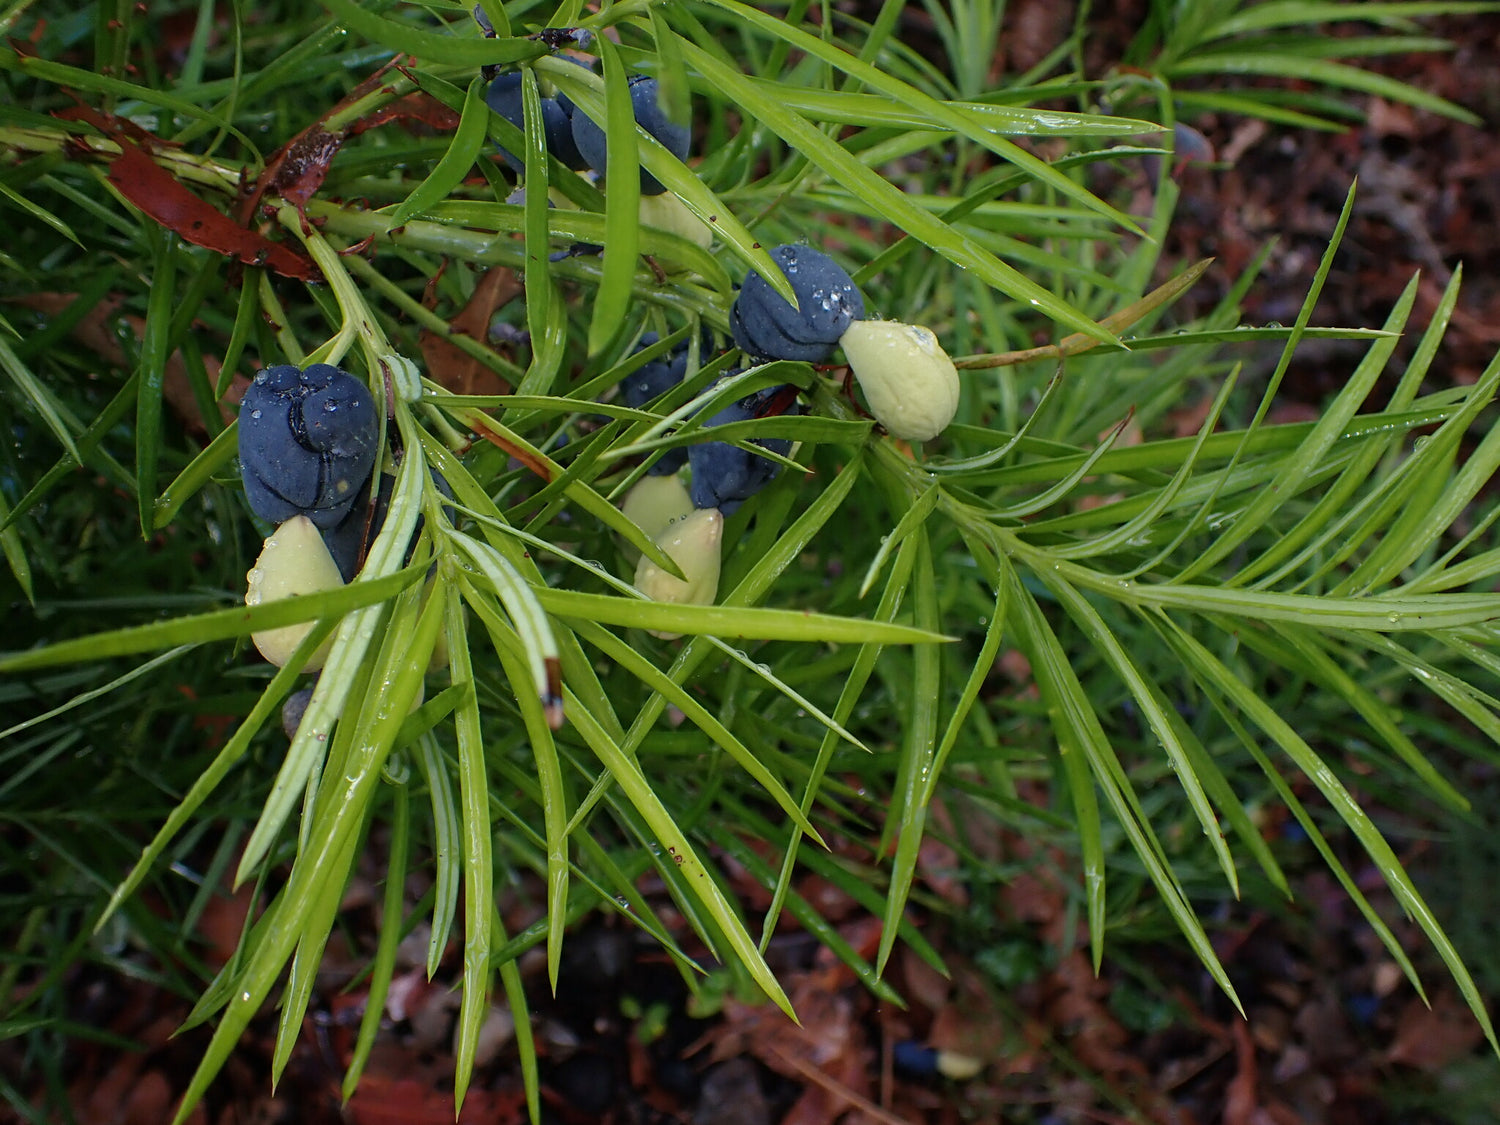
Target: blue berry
x,y
590,139
349,541
724,475
766,325
307,443
656,378
504,97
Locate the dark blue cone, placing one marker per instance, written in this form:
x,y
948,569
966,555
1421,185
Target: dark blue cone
x,y
766,325
649,115
724,475
307,443
504,97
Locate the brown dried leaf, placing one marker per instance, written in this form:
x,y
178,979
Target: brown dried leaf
x,y
449,364
1431,1038
160,195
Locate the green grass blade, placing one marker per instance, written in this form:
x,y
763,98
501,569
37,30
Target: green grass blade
x,y
450,49
1263,715
512,648
945,114
447,845
1239,60
728,620
477,851
33,390
468,140
302,976
918,748
891,600
151,370
621,205
628,776
1081,736
383,967
1108,645
1291,472
209,780
217,625
917,222
658,681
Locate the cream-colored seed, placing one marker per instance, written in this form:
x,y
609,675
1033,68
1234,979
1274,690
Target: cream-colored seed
x,y
693,543
653,503
293,561
667,212
909,381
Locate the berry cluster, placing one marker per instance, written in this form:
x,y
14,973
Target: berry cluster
x,y
576,139
909,382
307,443
308,439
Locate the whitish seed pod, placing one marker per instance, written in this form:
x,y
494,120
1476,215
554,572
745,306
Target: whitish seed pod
x,y
654,503
693,544
908,379
667,212
294,561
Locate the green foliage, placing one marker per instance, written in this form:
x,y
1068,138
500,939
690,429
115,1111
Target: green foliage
x,y
1215,624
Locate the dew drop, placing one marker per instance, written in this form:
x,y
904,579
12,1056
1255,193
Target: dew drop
x,y
255,414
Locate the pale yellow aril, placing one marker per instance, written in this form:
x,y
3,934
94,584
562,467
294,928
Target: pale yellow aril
x,y
293,562
667,212
653,503
693,543
908,380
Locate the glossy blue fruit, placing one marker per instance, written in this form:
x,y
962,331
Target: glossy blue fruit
x,y
658,377
724,475
766,325
649,115
307,443
293,710
349,542
661,375
655,378
504,97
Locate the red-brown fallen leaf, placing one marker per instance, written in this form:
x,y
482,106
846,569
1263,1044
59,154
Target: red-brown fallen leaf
x,y
450,365
297,169
539,467
420,107
222,924
922,986
938,863
1431,1038
1077,1005
1239,1097
403,1101
149,1102
160,195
